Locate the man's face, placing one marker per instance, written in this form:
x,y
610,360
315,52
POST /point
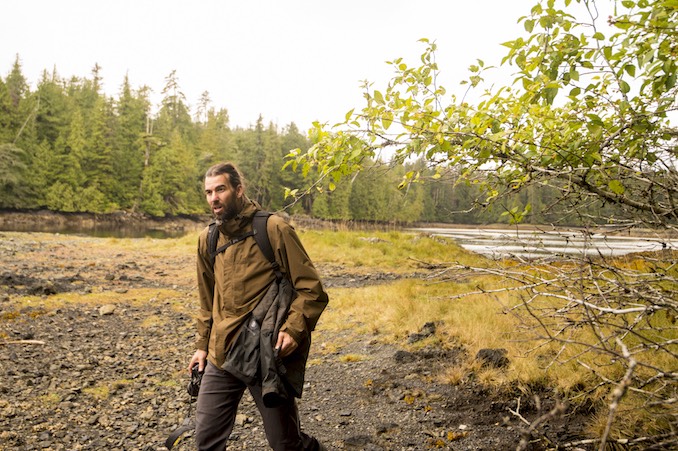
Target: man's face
x,y
224,200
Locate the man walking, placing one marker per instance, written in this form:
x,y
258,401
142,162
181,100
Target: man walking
x,y
230,287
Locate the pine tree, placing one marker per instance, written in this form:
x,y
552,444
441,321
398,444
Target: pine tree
x,y
174,112
128,146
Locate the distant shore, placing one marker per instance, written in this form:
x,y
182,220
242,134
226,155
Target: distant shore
x,y
58,222
49,221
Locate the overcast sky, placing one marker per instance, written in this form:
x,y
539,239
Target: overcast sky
x,y
288,60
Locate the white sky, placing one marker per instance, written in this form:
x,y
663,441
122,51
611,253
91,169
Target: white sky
x,y
288,60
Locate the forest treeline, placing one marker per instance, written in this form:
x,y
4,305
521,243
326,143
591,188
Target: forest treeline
x,y
67,146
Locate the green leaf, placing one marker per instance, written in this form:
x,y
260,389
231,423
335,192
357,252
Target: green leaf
x,y
616,187
386,120
574,92
607,52
379,97
595,119
529,25
550,95
625,88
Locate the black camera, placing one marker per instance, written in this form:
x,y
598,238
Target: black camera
x,y
194,385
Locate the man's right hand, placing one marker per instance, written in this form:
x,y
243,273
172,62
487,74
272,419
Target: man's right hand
x,y
199,358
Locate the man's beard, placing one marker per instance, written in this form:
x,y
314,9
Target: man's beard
x,y
230,211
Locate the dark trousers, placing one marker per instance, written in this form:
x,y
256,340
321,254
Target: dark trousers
x,y
220,394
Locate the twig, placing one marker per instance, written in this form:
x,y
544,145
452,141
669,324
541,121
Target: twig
x,y
618,393
22,342
557,410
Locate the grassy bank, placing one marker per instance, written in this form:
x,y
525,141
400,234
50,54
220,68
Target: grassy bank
x,y
479,308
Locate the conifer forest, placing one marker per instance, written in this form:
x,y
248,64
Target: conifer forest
x,y
66,146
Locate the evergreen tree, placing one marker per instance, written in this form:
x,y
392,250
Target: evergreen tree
x,y
13,172
338,202
259,156
368,200
203,109
215,140
174,112
52,109
6,130
97,163
169,186
128,146
14,111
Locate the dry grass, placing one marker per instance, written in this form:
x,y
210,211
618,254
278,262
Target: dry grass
x,y
383,251
136,296
347,358
475,322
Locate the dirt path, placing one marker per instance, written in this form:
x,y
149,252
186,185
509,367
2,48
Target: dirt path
x,y
107,372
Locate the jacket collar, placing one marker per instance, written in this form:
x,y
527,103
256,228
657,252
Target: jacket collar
x,y
237,226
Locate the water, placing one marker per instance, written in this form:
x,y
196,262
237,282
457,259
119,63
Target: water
x,y
500,243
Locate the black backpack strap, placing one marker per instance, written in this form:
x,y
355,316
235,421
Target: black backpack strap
x,y
261,236
213,239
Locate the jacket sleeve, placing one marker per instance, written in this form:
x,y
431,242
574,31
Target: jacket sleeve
x,y
310,298
205,279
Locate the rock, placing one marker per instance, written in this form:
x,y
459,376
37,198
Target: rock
x,y
357,440
404,357
426,331
495,358
240,419
107,309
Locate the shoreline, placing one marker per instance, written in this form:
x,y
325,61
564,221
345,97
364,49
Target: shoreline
x,y
47,221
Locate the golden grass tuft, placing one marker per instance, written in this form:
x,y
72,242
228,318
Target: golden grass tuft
x,y
49,399
98,392
348,358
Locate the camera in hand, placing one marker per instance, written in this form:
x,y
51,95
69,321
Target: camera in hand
x,y
194,385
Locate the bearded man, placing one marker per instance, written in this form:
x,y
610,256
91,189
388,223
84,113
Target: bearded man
x,y
230,286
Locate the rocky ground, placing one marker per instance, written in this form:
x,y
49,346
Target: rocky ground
x,y
96,361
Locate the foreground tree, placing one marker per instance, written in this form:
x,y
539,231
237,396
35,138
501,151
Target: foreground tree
x,y
587,114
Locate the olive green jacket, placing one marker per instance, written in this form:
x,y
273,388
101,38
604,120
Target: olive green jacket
x,y
241,274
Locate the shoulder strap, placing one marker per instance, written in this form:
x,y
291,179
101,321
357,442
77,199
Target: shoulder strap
x,y
213,239
261,236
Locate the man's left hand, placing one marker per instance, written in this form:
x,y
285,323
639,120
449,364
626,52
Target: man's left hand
x,y
285,344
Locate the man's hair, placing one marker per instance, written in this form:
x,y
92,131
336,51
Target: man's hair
x,y
235,178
